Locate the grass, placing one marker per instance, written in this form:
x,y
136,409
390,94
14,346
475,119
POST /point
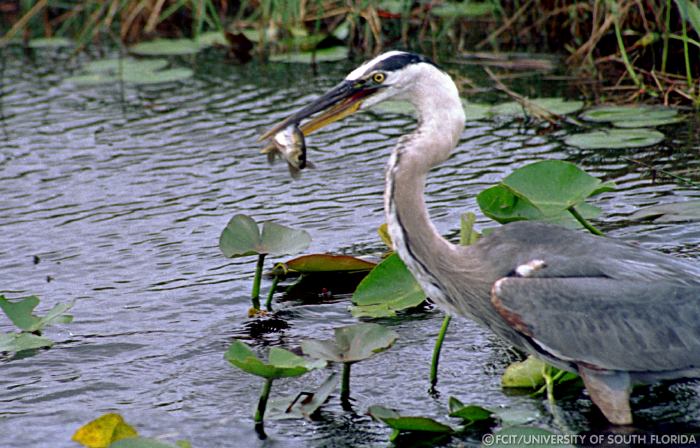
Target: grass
x,y
635,51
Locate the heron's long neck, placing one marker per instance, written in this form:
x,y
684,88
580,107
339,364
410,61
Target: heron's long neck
x,y
415,238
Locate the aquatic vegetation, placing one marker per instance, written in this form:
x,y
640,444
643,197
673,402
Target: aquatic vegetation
x,y
556,106
615,139
332,54
110,430
134,71
304,404
242,238
550,190
638,116
281,364
20,312
352,344
675,212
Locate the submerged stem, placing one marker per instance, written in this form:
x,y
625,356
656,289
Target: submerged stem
x,y
584,222
345,382
436,350
255,295
268,302
262,403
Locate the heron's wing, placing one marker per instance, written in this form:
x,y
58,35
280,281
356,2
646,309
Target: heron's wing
x,y
606,323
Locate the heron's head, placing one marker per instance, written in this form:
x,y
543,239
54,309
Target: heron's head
x,y
391,75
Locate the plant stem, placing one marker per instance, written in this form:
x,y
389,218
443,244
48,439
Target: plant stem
x,y
268,302
255,296
549,383
436,350
623,51
262,403
583,221
345,382
667,32
684,29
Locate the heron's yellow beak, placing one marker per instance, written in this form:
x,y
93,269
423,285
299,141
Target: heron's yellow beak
x,y
341,101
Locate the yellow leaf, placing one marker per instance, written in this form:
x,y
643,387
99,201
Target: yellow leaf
x,y
101,432
383,231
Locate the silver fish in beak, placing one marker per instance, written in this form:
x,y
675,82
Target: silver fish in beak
x,y
289,144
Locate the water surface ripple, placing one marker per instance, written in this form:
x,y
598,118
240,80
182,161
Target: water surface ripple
x,y
121,192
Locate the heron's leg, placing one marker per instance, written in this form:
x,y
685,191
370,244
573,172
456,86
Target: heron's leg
x,y
610,391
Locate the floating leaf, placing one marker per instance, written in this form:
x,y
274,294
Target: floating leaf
x,y
412,424
675,212
212,38
353,343
628,113
158,77
388,288
543,191
302,405
471,414
281,363
332,54
557,106
394,107
241,238
142,442
505,436
17,342
615,139
102,431
644,122
383,232
20,313
166,47
524,374
125,65
328,263
474,111
690,12
50,42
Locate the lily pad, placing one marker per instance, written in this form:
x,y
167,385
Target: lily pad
x,y
629,114
166,47
307,264
525,374
557,106
242,238
395,107
643,122
475,111
281,363
332,54
388,288
542,191
615,139
17,342
212,38
400,423
103,431
147,71
303,405
470,414
158,77
504,437
20,313
50,42
676,212
125,65
352,344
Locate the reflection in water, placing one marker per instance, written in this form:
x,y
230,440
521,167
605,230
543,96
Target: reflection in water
x,y
122,193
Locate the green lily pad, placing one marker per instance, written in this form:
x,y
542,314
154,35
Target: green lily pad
x,y
353,343
20,313
401,424
50,42
628,113
281,363
125,65
471,414
307,264
166,47
464,9
395,107
302,406
388,288
142,442
136,71
212,38
557,106
505,436
332,54
242,238
17,342
615,139
525,374
676,212
543,191
158,77
475,111
647,123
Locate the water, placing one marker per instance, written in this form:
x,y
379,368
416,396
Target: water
x,y
121,192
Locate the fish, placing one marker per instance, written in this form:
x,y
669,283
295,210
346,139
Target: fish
x,y
289,144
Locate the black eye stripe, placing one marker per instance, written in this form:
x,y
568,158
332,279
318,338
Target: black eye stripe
x,y
399,61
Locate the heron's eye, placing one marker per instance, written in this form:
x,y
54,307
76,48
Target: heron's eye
x,y
378,77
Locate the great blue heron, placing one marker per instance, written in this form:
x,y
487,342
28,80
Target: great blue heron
x,y
613,312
